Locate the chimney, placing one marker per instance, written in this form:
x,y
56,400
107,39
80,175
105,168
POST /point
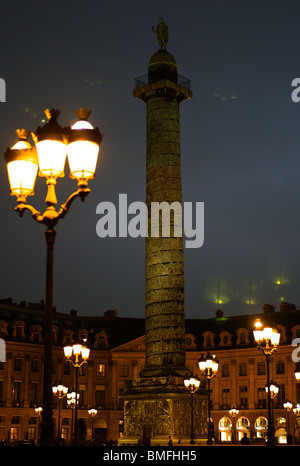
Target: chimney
x,y
219,313
268,309
287,307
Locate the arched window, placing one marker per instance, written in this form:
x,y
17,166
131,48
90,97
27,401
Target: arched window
x,y
36,334
3,329
190,341
242,426
208,339
242,336
225,339
68,336
101,342
18,330
261,427
225,429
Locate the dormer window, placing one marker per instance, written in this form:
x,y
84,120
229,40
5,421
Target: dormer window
x,y
208,339
242,336
225,339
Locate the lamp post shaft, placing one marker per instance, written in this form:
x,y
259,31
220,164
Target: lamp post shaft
x,y
192,442
271,439
209,436
47,424
76,437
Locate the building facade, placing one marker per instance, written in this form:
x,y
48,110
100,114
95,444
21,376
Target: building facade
x,y
118,354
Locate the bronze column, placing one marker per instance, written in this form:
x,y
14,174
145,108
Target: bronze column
x,y
164,263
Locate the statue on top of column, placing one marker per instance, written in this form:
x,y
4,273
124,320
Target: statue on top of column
x,y
162,32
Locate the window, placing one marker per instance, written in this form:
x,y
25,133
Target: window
x,y
100,397
123,370
280,398
2,402
261,368
225,339
16,394
225,370
243,396
226,398
18,364
280,369
261,397
14,432
81,400
34,390
35,365
208,339
243,369
100,370
242,338
31,433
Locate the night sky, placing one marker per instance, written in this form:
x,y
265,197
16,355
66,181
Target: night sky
x,y
240,147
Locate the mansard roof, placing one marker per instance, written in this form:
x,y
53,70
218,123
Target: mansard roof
x,y
120,330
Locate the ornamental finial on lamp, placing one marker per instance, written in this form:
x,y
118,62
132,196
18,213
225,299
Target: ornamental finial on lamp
x,y
83,113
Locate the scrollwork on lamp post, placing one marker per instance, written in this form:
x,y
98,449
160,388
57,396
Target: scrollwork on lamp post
x,y
47,158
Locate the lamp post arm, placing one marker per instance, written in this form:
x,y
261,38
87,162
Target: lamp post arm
x,y
50,217
21,207
82,192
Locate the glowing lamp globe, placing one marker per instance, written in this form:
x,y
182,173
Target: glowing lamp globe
x,y
50,145
22,166
83,147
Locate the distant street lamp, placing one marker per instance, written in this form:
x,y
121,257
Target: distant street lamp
x,y
81,143
296,410
71,403
192,386
274,389
208,366
77,355
267,340
233,412
60,392
288,407
92,412
39,410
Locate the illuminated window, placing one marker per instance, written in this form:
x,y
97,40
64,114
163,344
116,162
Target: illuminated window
x,y
100,370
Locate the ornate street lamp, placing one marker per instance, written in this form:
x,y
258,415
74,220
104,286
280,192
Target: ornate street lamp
x,y
47,158
296,410
77,355
192,386
60,391
288,407
92,412
208,366
71,403
267,340
274,389
233,413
